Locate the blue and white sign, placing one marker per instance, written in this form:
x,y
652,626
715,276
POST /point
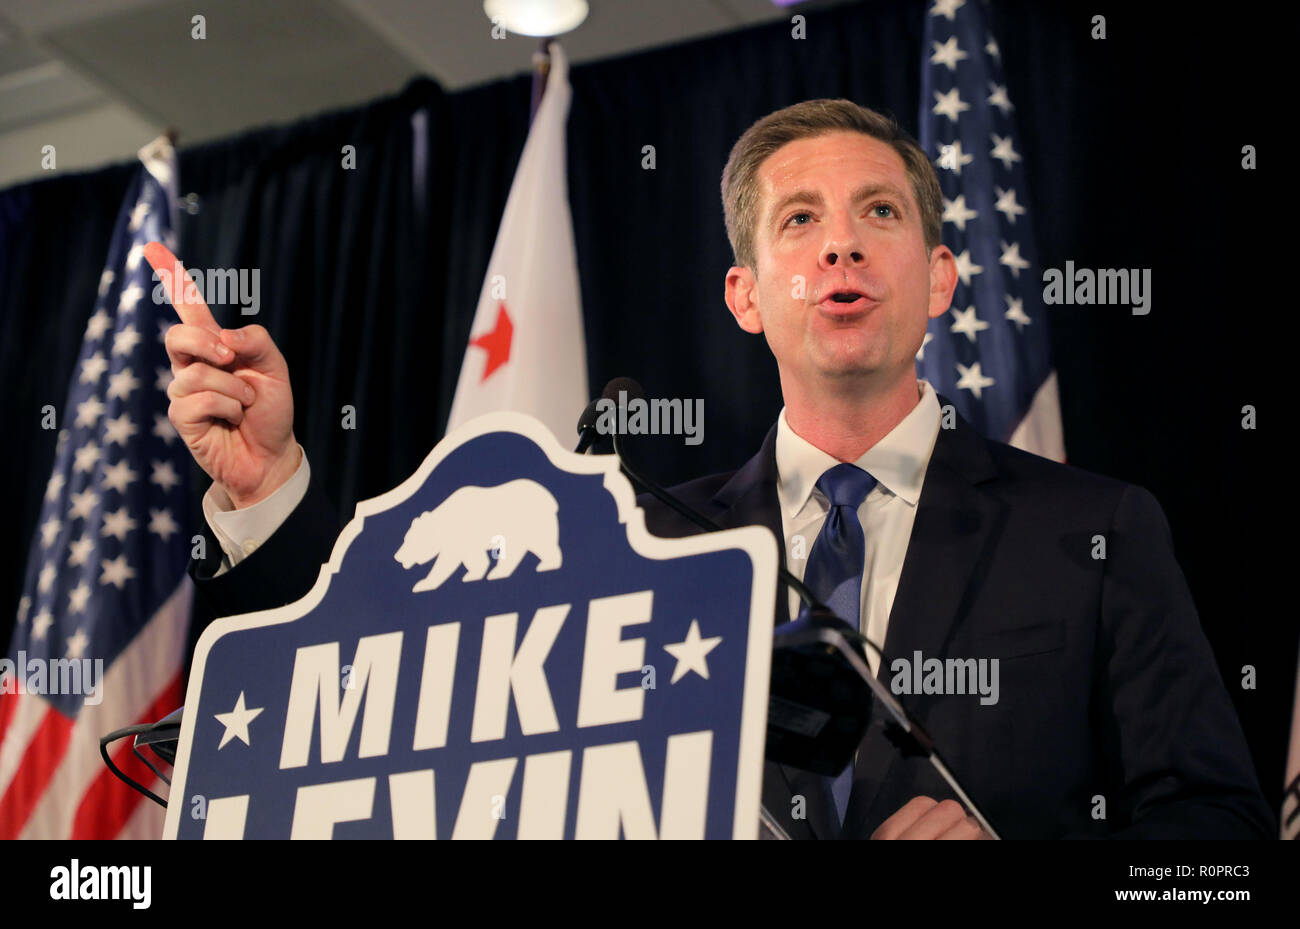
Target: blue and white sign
x,y
497,648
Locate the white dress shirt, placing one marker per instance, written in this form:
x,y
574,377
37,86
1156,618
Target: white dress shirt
x,y
898,463
241,532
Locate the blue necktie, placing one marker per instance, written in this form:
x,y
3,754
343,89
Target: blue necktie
x,y
834,571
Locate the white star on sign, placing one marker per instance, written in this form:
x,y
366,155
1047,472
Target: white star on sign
x,y
947,54
236,722
973,379
966,323
85,457
119,429
956,212
125,341
690,653
92,368
949,104
98,325
161,522
77,644
947,9
83,504
116,572
164,475
119,475
966,268
1016,313
1007,204
1003,151
122,383
1011,258
118,524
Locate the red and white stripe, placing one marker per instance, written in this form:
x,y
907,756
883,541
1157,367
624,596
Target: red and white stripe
x,y
53,782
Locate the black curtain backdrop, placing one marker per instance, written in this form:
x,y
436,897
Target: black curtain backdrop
x,y
369,277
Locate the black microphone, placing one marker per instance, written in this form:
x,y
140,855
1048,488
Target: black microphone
x,y
589,421
821,689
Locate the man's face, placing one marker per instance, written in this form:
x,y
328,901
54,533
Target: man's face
x,y
837,216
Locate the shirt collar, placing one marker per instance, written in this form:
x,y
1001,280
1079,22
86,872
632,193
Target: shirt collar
x,y
897,462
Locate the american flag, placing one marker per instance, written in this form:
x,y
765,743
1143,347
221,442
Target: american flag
x,y
990,352
106,575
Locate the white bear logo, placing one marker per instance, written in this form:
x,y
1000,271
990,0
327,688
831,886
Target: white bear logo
x,y
512,519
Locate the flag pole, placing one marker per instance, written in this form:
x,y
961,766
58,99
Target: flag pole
x,y
541,70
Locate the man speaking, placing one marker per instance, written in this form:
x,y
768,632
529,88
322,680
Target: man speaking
x,y
1109,717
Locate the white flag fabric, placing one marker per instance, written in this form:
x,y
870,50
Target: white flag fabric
x,y
527,351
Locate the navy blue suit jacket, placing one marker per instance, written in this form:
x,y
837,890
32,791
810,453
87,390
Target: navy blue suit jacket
x,y
1112,718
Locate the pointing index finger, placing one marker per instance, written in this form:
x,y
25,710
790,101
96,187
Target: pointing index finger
x,y
180,289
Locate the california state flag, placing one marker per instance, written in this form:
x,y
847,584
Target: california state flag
x,y
526,348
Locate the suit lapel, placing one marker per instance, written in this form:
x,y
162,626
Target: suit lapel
x,y
955,522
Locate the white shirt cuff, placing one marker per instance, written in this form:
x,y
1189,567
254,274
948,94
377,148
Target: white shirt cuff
x,y
242,532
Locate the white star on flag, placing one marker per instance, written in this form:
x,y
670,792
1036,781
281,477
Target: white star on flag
x,y
97,325
116,572
125,341
966,268
1011,258
966,323
164,475
1003,151
956,212
77,644
973,379
950,104
1007,204
947,54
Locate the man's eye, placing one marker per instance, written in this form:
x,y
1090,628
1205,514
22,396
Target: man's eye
x,y
796,216
885,206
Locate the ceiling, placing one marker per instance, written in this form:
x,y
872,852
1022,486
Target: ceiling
x,y
99,78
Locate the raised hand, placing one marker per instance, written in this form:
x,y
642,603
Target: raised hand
x,y
230,397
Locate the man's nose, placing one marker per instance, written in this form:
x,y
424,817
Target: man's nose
x,y
843,248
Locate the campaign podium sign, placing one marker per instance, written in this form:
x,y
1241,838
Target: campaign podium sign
x,y
497,648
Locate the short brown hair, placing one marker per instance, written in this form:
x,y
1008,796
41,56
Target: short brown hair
x,y
811,118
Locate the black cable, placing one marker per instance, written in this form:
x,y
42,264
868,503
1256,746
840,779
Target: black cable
x,y
121,734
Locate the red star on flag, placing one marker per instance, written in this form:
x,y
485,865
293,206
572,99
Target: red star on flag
x,y
496,343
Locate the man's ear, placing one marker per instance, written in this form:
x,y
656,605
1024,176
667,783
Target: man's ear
x,y
741,294
943,280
